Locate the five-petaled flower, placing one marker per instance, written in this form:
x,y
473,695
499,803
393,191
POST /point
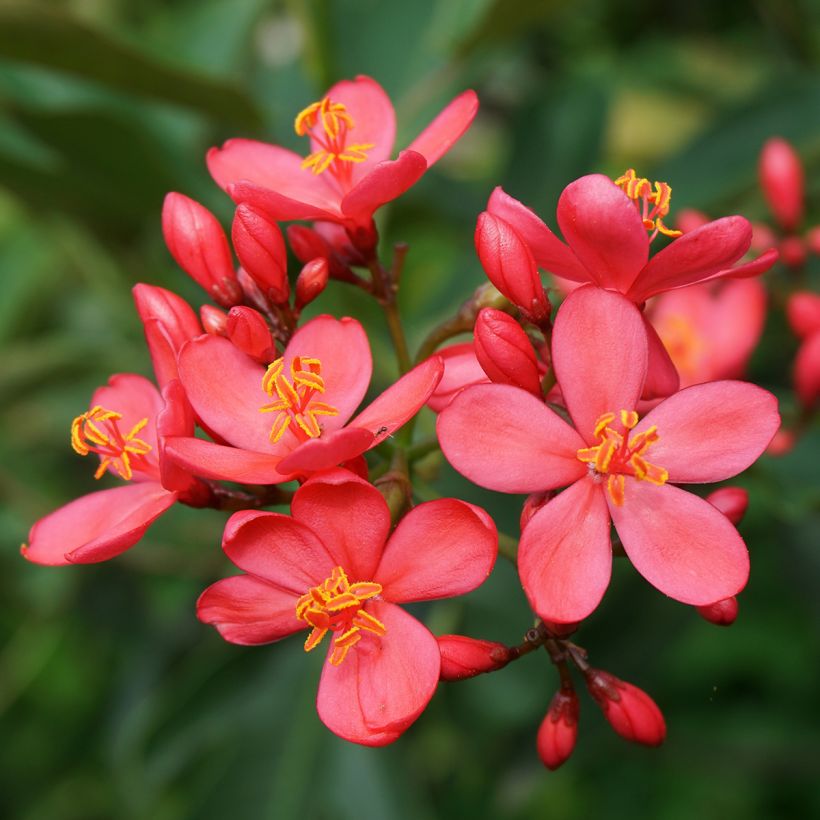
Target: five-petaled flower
x,y
335,569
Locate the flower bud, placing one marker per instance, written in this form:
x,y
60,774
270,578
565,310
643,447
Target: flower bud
x,y
782,443
731,501
813,240
312,280
199,245
629,710
214,320
249,331
807,371
307,244
510,266
253,294
781,177
763,237
505,352
690,219
793,252
559,729
260,247
463,657
720,613
803,312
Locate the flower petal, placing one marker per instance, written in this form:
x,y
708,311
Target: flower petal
x,y
383,684
350,516
248,611
680,543
329,450
440,549
662,377
276,206
712,431
97,526
447,128
565,557
599,352
277,548
209,460
461,369
503,438
604,230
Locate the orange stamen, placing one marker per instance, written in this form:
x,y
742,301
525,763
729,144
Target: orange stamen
x,y
337,606
644,194
97,431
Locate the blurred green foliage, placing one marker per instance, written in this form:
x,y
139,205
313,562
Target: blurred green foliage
x,y
114,700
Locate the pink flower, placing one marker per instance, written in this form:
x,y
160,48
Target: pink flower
x,y
617,467
126,427
291,418
348,172
334,568
607,244
803,311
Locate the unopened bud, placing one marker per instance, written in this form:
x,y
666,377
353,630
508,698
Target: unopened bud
x,y
629,710
803,312
214,320
463,657
312,280
781,177
813,240
249,331
252,291
307,244
763,237
199,245
559,729
505,352
793,252
720,613
260,247
782,443
731,501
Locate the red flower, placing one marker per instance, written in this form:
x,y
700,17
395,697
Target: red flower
x,y
607,244
126,427
618,467
335,569
291,418
803,310
348,173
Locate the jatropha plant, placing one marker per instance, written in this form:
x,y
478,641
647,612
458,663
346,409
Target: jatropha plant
x,y
587,409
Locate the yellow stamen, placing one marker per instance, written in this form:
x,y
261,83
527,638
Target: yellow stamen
x,y
643,193
97,431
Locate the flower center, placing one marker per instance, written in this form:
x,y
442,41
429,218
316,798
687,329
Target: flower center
x,y
652,201
617,456
338,606
296,400
327,123
97,431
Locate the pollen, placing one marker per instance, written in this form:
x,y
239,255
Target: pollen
x,y
97,431
617,456
337,606
651,199
296,405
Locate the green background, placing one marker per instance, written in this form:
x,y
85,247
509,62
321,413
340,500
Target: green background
x,y
114,700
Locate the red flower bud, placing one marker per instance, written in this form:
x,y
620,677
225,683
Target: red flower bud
x,y
260,247
803,312
793,252
307,244
253,294
559,729
720,613
199,245
813,240
629,710
312,280
463,657
214,320
505,352
763,237
249,331
781,177
510,266
782,443
731,501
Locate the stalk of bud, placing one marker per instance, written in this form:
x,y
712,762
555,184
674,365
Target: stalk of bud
x,y
559,729
781,177
312,280
463,657
214,320
199,245
504,351
249,331
720,613
731,501
260,247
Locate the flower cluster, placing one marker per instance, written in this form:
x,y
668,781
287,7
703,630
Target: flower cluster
x,y
597,412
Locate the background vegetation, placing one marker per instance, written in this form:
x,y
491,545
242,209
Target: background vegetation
x,y
114,700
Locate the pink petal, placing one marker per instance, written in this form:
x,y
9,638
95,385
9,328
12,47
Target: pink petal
x,y
599,353
276,206
175,419
565,557
662,377
711,432
401,401
271,167
503,438
549,251
97,526
680,543
447,128
439,549
329,450
693,257
604,230
209,460
386,181
248,611
277,548
461,369
350,516
383,684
